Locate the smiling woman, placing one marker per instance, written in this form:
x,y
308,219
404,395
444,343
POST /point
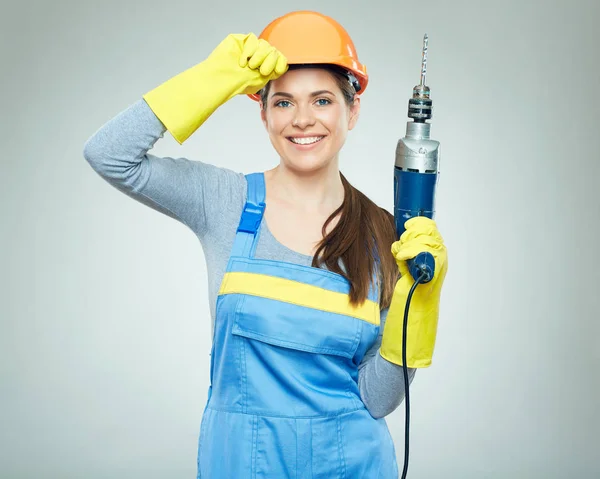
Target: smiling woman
x,y
306,106
300,262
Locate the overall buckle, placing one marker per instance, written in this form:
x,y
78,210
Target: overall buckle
x,y
251,218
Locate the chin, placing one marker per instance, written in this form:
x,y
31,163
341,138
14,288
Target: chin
x,y
305,162
306,165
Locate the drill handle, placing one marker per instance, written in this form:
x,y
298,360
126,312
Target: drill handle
x,y
414,194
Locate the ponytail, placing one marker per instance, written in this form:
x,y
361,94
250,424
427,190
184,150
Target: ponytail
x,y
361,242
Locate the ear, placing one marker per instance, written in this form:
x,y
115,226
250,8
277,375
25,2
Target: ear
x,y
263,114
354,113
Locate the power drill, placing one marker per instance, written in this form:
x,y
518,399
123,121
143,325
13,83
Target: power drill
x,y
416,170
415,178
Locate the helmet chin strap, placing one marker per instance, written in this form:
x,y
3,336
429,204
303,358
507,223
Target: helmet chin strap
x,y
353,81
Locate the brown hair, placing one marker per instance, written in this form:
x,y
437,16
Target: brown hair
x,y
362,239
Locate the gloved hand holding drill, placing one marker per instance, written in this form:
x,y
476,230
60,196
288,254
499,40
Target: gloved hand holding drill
x,y
240,64
421,235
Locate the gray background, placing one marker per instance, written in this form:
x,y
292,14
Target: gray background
x,y
105,333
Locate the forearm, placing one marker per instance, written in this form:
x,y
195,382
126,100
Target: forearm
x,y
381,384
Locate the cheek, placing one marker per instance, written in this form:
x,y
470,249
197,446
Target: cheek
x,y
336,122
276,122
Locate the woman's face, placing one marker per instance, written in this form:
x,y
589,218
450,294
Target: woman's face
x,y
308,119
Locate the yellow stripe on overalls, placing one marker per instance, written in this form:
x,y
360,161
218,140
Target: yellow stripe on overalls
x,y
298,293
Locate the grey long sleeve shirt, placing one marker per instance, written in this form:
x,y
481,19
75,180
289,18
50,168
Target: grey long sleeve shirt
x,y
209,200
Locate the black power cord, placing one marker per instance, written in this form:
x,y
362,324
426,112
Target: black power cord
x,y
423,277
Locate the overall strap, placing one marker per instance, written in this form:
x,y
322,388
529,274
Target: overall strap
x,y
251,218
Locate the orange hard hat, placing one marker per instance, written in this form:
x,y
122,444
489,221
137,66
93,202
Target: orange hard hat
x,y
307,37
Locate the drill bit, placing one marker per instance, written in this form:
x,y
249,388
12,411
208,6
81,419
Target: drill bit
x,y
420,105
424,60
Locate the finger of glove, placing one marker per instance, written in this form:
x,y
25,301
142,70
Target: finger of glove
x,y
263,50
415,230
269,63
412,237
249,49
422,224
419,222
282,65
422,244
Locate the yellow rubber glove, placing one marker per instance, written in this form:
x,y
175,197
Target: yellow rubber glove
x,y
240,64
421,235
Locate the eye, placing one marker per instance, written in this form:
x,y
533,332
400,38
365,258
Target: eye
x,y
283,103
323,101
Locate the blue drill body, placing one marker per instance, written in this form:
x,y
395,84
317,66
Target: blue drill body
x,y
414,195
416,170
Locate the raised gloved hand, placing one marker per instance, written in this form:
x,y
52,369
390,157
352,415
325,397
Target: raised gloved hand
x,y
421,235
240,64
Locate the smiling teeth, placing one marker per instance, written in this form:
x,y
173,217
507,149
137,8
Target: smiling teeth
x,y
306,141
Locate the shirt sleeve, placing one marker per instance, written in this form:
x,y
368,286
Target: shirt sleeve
x,y
380,382
180,188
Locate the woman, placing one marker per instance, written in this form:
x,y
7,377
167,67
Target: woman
x,y
301,268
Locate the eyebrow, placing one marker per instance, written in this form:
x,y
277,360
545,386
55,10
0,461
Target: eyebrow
x,y
289,95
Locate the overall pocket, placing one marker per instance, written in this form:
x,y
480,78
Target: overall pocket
x,y
295,361
297,327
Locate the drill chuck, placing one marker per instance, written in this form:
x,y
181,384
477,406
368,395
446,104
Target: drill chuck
x,y
420,106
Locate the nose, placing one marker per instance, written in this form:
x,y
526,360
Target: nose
x,y
303,117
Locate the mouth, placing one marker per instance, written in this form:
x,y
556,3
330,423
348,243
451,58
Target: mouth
x,y
306,140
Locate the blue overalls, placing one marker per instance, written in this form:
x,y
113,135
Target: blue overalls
x,y
284,399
